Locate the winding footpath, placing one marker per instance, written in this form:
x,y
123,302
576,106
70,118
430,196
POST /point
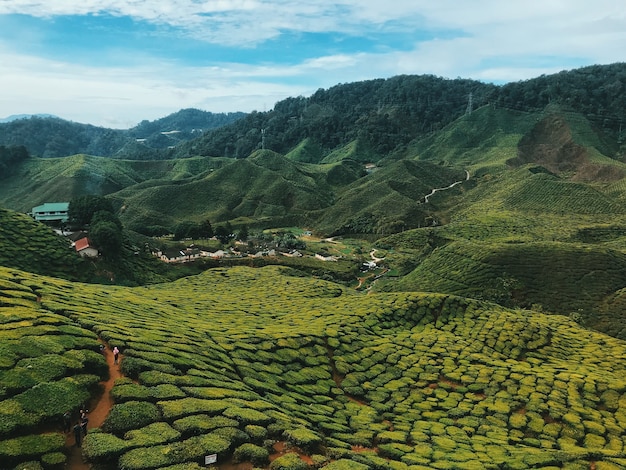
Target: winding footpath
x,y
97,415
467,177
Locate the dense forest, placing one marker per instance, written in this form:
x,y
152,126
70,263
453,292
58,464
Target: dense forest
x,y
385,114
50,137
9,156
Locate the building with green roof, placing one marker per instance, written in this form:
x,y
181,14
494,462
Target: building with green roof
x,y
51,212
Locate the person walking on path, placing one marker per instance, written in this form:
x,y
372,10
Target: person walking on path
x,y
78,434
83,422
67,422
116,353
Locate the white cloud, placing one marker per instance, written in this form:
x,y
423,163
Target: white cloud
x,y
489,40
121,97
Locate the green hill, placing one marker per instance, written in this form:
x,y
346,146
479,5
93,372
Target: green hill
x,y
265,186
34,247
388,200
52,137
230,361
36,180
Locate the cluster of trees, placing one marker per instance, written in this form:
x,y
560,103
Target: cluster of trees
x,y
598,92
97,214
386,114
54,137
9,157
225,233
49,137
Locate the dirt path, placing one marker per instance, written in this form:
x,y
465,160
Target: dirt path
x,y
101,407
467,177
103,404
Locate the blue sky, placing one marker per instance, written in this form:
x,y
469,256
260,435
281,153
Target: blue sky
x,y
114,63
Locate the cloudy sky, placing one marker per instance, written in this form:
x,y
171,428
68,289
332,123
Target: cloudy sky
x,y
114,63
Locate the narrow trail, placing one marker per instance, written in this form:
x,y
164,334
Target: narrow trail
x,y
467,177
97,415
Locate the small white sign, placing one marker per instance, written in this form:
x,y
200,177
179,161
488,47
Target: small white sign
x,y
209,459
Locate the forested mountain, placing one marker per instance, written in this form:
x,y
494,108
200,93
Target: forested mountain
x,y
385,114
49,137
382,115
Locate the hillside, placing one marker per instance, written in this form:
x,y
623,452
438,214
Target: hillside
x,y
51,137
231,361
539,227
382,115
34,180
386,115
33,247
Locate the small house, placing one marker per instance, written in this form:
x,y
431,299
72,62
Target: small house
x,y
85,249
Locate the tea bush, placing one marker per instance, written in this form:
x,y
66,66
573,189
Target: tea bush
x,y
154,433
173,409
102,447
303,438
25,448
130,415
345,464
289,461
241,356
190,450
201,424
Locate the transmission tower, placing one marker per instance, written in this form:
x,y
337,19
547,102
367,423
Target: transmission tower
x,y
263,139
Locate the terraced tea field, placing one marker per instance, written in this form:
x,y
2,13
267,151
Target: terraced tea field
x,y
234,360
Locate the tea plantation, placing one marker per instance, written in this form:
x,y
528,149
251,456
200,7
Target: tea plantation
x,y
233,360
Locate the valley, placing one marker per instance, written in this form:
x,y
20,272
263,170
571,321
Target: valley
x,y
491,332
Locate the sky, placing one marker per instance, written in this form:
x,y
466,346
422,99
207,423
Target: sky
x,y
114,63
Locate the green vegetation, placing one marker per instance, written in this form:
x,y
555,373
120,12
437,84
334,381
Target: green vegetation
x,y
476,341
32,246
51,137
236,359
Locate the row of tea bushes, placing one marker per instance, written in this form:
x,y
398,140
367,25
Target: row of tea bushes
x,y
233,360
49,365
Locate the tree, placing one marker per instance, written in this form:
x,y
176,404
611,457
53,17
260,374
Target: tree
x,y
223,233
243,233
205,230
10,157
82,209
106,216
185,229
107,236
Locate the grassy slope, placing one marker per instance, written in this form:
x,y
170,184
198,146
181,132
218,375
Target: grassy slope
x,y
31,246
39,180
483,140
243,355
265,188
395,191
524,236
265,185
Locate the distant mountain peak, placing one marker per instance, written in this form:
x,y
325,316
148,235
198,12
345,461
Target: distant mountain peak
x,y
15,117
